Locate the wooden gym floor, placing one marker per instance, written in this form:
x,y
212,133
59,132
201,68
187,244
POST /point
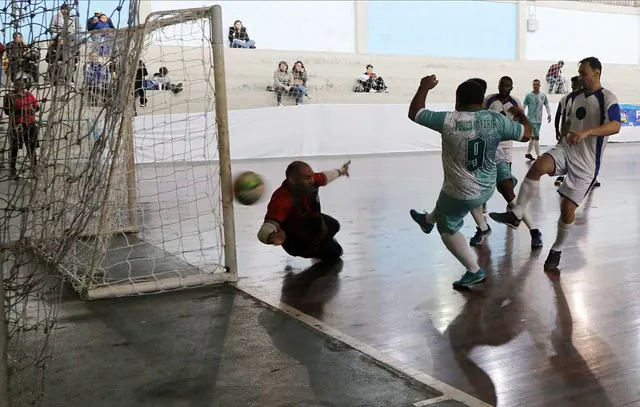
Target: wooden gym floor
x,y
525,338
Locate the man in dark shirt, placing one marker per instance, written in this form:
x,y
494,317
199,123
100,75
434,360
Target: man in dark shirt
x,y
294,219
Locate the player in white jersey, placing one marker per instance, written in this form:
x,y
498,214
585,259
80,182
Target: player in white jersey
x,y
559,120
591,114
502,102
533,103
470,138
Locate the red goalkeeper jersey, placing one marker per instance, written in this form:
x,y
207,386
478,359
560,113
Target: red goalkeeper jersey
x,y
299,215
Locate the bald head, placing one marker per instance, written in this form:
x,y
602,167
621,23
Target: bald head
x,y
300,176
295,168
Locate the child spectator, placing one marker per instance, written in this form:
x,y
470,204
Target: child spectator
x,y
103,23
21,107
238,37
299,75
282,81
96,80
371,81
161,81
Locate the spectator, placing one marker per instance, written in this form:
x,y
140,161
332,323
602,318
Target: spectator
x,y
371,81
22,59
555,79
99,21
139,91
161,81
21,107
62,61
93,20
103,23
63,22
282,81
103,41
238,37
299,75
96,80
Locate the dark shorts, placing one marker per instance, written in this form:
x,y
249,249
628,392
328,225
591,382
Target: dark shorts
x,y
324,248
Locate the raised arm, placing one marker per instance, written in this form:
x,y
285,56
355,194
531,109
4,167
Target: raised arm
x,y
418,102
332,175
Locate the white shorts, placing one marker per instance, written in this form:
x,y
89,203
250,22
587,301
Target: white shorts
x,y
579,178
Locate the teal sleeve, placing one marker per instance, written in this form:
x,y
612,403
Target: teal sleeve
x,y
430,119
508,129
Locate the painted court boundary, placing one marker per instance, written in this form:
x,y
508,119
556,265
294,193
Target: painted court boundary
x,y
448,392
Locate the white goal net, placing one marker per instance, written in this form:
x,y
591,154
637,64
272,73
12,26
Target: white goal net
x,y
116,174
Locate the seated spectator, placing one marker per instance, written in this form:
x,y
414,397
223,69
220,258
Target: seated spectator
x,y
299,75
238,37
282,81
555,78
370,81
161,81
21,107
96,80
61,70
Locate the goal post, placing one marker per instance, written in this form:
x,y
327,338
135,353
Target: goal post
x,y
169,26
222,118
133,191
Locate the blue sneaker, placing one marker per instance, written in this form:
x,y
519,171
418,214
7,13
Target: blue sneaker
x,y
468,279
536,238
421,220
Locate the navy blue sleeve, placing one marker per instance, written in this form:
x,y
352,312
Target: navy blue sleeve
x,y
613,113
558,117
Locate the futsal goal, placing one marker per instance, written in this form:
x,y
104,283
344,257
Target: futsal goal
x,y
131,189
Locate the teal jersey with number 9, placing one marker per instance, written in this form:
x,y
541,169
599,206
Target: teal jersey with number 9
x,y
469,144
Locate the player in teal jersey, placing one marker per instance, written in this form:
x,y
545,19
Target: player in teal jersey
x,y
533,103
470,139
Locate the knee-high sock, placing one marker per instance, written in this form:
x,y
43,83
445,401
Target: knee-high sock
x,y
536,146
458,246
524,195
561,236
478,216
526,215
530,147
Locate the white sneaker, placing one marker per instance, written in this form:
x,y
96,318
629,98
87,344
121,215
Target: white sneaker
x,y
280,105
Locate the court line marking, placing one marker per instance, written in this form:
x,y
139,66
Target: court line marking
x,y
448,392
430,402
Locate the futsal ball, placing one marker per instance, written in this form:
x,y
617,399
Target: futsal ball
x,y
248,188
